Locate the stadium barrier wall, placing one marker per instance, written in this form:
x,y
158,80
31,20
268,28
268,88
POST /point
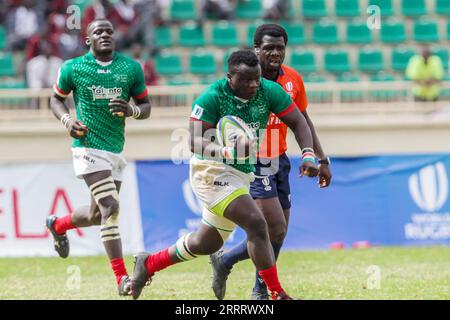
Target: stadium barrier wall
x,y
382,200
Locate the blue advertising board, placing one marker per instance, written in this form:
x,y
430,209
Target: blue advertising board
x,y
386,200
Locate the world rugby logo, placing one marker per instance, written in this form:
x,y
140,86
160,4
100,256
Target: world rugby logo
x,y
429,187
289,86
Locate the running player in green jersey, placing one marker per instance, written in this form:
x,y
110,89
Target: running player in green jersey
x,y
224,187
102,82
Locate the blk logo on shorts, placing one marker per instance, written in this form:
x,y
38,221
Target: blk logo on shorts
x,y
221,183
429,187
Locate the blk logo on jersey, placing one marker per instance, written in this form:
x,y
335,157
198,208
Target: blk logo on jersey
x,y
99,92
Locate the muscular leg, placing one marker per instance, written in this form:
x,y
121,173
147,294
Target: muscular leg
x,y
87,216
107,206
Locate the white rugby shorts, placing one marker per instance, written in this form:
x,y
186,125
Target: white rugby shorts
x,y
87,160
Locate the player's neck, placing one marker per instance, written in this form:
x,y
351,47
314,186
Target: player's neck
x,y
270,75
103,57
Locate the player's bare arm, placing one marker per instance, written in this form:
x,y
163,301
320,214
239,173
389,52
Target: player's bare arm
x,y
59,108
324,168
297,123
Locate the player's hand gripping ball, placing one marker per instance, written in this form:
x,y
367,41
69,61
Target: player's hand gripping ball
x,y
232,131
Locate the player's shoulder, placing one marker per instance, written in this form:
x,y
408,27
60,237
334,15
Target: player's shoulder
x,y
126,59
292,73
268,85
212,93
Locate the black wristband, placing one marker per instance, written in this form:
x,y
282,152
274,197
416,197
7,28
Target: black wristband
x,y
325,161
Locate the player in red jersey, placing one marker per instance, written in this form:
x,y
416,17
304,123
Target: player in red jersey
x,y
271,188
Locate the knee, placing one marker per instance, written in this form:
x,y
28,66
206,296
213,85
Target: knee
x,y
204,247
108,206
257,227
277,233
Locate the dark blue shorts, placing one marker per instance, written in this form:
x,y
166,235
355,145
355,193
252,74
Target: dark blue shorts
x,y
272,180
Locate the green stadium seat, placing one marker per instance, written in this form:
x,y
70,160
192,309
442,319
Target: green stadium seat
x,y
296,33
425,31
337,61
414,8
443,7
443,54
370,60
325,33
393,31
358,33
303,61
448,30
179,81
182,10
168,64
2,38
163,37
347,8
350,95
202,62
191,35
249,9
316,96
386,8
208,80
7,68
225,59
224,34
251,28
400,58
313,9
82,4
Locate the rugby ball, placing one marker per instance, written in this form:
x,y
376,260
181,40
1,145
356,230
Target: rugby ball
x,y
229,128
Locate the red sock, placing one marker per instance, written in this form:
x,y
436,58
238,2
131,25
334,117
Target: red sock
x,y
118,266
63,224
270,277
158,261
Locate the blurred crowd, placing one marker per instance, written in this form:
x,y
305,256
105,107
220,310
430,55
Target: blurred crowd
x,y
40,31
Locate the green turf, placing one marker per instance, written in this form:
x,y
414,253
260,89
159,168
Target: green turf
x,y
406,273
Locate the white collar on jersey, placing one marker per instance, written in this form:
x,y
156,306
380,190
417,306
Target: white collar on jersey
x,y
242,100
103,63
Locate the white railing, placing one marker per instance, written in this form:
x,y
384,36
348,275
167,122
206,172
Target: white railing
x,y
327,98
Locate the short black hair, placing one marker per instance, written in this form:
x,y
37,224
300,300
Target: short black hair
x,y
269,29
247,57
98,20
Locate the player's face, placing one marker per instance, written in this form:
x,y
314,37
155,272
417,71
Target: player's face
x,y
101,37
271,53
245,81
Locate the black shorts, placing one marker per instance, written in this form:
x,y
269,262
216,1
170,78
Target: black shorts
x,y
272,180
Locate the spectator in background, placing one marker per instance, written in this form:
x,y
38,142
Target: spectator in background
x,y
275,9
33,43
125,21
57,18
70,45
42,70
426,71
218,9
150,75
98,10
22,22
149,14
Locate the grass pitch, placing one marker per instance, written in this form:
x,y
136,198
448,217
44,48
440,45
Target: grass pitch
x,y
376,273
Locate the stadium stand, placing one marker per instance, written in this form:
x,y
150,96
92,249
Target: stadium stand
x,y
327,39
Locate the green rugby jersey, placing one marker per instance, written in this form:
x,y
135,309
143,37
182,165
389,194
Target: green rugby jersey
x,y
219,101
93,84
